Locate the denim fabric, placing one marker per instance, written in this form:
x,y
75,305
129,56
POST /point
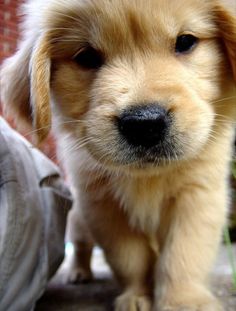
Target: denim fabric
x,y
34,203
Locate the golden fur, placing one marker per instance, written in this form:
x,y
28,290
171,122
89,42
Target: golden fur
x,y
158,219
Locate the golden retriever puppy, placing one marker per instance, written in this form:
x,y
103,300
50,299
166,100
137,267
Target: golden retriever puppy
x,y
141,95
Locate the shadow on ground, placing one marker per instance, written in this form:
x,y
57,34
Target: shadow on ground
x,y
100,294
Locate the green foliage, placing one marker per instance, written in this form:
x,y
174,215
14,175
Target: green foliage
x,y
233,168
231,256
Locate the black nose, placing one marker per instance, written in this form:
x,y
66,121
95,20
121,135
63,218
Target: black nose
x,y
145,125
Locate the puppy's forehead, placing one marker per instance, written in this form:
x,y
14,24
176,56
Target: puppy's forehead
x,y
123,23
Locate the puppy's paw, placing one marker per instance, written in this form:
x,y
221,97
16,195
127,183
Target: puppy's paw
x,y
194,297
203,307
132,302
77,275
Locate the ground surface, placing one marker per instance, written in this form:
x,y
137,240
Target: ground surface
x,y
99,295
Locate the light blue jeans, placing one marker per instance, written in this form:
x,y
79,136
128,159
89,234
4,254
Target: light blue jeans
x,y
34,203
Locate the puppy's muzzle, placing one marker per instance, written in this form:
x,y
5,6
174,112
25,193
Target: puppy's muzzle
x,y
144,125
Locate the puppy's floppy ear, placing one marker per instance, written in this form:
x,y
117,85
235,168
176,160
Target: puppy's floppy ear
x,y
40,68
226,22
25,79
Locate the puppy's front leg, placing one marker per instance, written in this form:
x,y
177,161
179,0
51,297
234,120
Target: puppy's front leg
x,y
189,252
126,250
132,262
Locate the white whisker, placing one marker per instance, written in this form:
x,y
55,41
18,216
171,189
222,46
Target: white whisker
x,y
223,99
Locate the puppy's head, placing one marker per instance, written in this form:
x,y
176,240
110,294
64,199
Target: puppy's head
x,y
137,81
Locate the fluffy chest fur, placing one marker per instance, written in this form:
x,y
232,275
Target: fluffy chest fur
x,y
143,200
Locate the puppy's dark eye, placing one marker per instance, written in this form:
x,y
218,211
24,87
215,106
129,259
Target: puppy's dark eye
x,y
89,58
185,43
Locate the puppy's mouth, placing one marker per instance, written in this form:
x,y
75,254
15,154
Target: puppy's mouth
x,y
159,155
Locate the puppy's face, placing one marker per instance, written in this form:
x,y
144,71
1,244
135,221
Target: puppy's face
x,y
142,78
